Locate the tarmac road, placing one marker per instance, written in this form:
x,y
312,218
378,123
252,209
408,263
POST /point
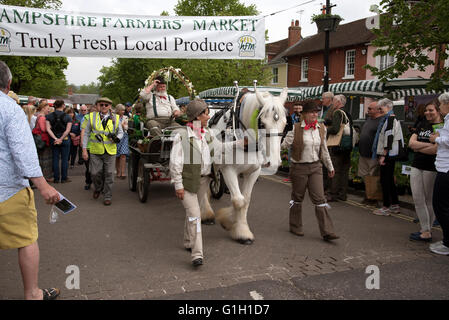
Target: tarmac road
x,y
133,250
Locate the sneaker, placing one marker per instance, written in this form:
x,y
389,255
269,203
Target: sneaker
x,y
443,250
286,180
395,209
436,224
382,212
436,244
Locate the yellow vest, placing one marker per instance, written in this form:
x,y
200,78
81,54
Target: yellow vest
x,y
99,147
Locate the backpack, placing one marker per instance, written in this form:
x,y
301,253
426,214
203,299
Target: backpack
x,y
58,125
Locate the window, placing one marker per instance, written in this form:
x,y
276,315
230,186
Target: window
x,y
304,69
350,64
275,75
385,62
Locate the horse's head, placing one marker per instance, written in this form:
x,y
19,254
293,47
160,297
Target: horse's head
x,y
273,118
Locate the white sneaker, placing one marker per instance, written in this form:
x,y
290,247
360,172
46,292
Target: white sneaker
x,y
443,250
382,212
436,244
395,209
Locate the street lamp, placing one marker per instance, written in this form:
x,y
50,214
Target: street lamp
x,y
327,23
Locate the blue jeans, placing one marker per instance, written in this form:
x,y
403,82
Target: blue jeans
x,y
61,152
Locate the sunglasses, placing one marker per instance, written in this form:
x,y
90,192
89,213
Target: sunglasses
x,y
104,104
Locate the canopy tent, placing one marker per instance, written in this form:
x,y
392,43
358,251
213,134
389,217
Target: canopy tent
x,y
229,92
394,89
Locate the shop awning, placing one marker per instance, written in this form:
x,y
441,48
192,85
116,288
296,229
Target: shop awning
x,y
229,92
367,88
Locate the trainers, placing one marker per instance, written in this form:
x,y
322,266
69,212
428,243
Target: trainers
x,y
382,212
436,224
395,209
443,250
436,244
286,180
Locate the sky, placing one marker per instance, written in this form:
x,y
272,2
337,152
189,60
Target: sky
x,y
86,70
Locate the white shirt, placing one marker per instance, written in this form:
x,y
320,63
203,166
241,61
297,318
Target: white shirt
x,y
312,142
164,107
442,159
177,154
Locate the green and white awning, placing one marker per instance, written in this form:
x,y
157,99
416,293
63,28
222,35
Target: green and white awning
x,y
367,88
393,89
229,92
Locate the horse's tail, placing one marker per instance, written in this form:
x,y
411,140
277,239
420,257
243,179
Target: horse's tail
x,y
225,216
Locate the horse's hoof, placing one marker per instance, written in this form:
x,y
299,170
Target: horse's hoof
x,y
245,241
208,222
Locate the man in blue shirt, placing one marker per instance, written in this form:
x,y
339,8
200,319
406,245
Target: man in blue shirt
x,y
19,163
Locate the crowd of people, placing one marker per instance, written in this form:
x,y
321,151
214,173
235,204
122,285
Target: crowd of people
x,y
381,144
317,136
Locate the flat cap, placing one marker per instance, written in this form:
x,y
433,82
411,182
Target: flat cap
x,y
194,108
103,99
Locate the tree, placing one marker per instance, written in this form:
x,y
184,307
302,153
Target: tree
x,y
214,8
122,80
37,76
408,31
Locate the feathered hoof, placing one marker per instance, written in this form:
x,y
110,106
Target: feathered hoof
x,y
208,222
245,241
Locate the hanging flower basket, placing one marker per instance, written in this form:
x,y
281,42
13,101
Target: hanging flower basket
x,y
326,22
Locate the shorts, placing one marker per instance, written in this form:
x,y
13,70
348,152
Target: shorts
x,y
18,220
368,167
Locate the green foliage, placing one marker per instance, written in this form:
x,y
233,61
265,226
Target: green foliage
x,y
408,32
214,8
121,81
44,4
92,88
321,16
38,76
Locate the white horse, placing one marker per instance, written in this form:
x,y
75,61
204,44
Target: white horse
x,y
267,113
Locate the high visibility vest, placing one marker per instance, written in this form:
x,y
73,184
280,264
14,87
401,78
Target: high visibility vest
x,y
99,147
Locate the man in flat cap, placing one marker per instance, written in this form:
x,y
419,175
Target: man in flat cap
x,y
102,133
194,149
161,108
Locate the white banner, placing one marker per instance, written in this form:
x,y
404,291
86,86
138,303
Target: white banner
x,y
41,32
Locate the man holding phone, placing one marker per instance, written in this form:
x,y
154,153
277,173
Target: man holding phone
x,y
19,163
161,108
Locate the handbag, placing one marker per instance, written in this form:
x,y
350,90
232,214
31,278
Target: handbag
x,y
40,144
373,189
76,140
334,140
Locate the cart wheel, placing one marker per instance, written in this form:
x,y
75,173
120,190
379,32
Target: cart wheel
x,y
217,186
133,162
143,181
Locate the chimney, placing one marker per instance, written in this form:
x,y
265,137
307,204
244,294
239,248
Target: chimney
x,y
294,33
70,91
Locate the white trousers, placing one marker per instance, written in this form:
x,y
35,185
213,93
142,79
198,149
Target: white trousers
x,y
422,182
192,225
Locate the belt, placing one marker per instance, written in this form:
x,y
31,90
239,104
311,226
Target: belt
x,y
306,162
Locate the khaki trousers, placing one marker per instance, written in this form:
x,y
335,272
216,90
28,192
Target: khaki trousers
x,y
102,168
192,225
156,125
309,176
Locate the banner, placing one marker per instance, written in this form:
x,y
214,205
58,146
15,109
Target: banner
x,y
41,32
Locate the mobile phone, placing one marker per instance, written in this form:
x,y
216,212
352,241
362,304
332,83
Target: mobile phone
x,y
65,206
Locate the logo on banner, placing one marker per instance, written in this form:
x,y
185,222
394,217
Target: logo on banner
x,y
247,46
5,38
